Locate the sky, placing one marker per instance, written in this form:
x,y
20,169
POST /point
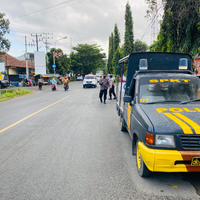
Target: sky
x,y
81,21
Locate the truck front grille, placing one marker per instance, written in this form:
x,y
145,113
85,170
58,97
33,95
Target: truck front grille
x,y
190,141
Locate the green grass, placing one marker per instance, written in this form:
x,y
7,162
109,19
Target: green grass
x,y
7,94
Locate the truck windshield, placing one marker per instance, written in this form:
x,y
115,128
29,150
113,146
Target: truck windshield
x,y
161,89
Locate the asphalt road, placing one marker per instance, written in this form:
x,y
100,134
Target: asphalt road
x,y
66,145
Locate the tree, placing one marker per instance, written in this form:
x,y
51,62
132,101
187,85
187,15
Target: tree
x,y
4,28
116,50
62,63
128,36
116,38
117,56
180,27
110,54
140,46
86,59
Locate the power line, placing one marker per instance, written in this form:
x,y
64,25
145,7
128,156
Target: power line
x,y
152,21
37,39
55,5
19,30
41,11
45,38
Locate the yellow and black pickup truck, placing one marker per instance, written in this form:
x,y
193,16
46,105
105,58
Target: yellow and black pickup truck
x,y
159,105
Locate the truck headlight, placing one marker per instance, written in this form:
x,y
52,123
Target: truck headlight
x,y
165,141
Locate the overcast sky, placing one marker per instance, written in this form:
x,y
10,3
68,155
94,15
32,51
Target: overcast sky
x,y
82,21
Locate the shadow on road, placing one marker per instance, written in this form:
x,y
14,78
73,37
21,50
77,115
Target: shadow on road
x,y
193,178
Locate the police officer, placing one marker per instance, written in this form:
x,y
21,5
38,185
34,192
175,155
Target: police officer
x,y
104,84
112,87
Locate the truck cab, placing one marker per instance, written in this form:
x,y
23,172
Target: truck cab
x,y
159,106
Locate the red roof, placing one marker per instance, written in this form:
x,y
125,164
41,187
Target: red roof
x,y
13,62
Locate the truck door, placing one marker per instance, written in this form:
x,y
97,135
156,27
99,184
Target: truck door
x,y
128,106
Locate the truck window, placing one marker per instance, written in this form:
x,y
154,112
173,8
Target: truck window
x,y
131,91
168,89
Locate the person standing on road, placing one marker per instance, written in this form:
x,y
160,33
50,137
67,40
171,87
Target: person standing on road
x,y
40,82
104,84
112,88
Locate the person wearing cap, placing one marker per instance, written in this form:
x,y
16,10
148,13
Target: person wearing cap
x,y
66,82
112,88
104,84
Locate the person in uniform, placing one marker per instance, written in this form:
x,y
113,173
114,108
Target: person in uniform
x,y
112,88
104,84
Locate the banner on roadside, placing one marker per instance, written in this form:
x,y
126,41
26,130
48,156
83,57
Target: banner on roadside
x,y
40,62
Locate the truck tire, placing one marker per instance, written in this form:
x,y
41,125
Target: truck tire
x,y
122,124
142,169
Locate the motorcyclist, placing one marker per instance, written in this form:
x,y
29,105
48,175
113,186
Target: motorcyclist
x,y
54,82
66,82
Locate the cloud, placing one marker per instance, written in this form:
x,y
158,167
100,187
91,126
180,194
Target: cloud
x,y
82,21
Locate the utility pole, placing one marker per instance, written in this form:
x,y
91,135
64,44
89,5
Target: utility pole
x,y
40,39
27,70
47,37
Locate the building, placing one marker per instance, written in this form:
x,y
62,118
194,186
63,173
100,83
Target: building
x,y
16,69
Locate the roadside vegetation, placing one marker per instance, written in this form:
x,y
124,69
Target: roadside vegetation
x,y
7,94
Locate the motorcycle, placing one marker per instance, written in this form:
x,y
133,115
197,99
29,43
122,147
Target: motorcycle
x,y
66,87
53,87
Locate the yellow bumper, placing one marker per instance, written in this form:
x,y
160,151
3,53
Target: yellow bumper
x,y
164,160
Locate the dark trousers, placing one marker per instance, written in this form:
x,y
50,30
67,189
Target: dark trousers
x,y
40,85
103,93
112,91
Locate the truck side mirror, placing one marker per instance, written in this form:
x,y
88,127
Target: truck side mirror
x,y
128,99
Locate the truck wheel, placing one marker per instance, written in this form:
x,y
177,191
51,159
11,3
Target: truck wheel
x,y
122,124
142,169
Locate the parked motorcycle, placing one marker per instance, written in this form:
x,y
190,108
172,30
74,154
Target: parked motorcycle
x,y
66,87
53,87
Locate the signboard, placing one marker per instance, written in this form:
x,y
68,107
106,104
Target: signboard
x,y
40,62
57,54
22,76
54,66
2,67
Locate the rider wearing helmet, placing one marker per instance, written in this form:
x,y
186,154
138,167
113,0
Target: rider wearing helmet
x,y
66,82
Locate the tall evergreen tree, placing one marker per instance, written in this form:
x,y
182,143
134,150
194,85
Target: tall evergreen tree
x,y
116,39
116,49
128,36
110,54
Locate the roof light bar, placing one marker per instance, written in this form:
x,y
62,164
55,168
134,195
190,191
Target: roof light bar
x,y
183,63
143,64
